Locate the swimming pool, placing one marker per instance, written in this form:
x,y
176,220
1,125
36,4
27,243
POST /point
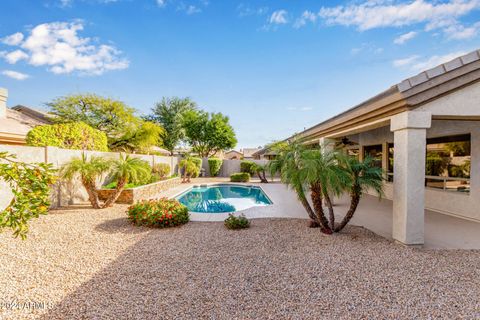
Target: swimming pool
x,y
223,198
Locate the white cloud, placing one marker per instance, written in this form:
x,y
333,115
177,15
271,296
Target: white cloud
x,y
459,32
416,63
307,16
161,3
58,46
191,9
376,14
299,108
405,37
15,75
405,61
278,17
246,11
14,39
15,56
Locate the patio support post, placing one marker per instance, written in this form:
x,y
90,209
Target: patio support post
x,y
327,144
410,129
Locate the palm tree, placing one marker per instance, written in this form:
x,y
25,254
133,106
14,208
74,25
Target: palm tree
x,y
292,165
363,176
189,169
260,170
125,170
89,171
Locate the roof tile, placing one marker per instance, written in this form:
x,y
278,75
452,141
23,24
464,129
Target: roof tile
x,y
434,72
419,78
454,64
471,57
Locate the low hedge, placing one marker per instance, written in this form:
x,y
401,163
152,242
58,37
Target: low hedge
x,y
240,177
214,165
248,167
162,213
235,223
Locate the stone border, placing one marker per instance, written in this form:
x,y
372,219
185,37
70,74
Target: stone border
x,y
148,191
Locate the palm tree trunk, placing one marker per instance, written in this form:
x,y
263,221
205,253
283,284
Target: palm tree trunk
x,y
261,176
92,193
354,201
316,195
331,213
118,190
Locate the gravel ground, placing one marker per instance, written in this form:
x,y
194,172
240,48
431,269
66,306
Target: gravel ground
x,y
86,264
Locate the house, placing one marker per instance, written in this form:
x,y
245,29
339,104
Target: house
x,y
248,152
424,132
17,121
264,154
233,155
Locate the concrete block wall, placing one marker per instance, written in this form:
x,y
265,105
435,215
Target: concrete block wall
x,y
71,192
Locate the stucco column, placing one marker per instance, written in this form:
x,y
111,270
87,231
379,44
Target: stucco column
x,y
327,144
410,129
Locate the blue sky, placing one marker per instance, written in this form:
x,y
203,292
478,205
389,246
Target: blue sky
x,y
275,67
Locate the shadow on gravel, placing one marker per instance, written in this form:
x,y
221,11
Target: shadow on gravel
x,y
279,270
120,225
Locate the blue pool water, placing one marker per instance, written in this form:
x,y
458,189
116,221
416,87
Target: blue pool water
x,y
223,198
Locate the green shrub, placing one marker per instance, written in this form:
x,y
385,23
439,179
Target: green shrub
x,y
162,170
74,135
248,167
235,223
162,213
214,164
240,177
198,164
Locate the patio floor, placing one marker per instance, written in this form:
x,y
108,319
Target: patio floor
x,y
93,264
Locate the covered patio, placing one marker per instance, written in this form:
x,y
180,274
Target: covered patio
x,y
424,133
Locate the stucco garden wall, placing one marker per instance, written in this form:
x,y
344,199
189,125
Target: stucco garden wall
x,y
72,192
229,167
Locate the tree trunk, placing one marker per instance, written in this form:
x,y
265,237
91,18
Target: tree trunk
x,y
331,213
316,195
261,176
118,190
354,200
92,193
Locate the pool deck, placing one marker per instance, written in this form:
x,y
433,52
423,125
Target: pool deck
x,y
285,203
441,231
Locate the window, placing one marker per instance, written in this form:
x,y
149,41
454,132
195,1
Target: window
x,y
354,153
374,152
447,163
390,163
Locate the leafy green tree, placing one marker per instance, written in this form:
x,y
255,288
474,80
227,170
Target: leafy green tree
x,y
169,114
208,133
189,169
124,170
88,170
76,135
140,139
30,185
108,115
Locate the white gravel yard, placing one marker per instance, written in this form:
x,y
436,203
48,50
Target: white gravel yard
x,y
87,264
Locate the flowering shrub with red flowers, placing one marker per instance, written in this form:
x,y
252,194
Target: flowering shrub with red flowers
x,y
162,213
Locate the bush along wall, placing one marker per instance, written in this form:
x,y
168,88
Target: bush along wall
x,y
215,165
198,164
248,167
74,135
240,177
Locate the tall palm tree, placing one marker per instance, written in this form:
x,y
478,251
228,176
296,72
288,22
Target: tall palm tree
x,y
89,171
260,170
363,176
125,170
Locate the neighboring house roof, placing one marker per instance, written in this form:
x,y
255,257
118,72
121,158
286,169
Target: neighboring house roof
x,y
15,126
248,152
233,151
39,115
406,95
